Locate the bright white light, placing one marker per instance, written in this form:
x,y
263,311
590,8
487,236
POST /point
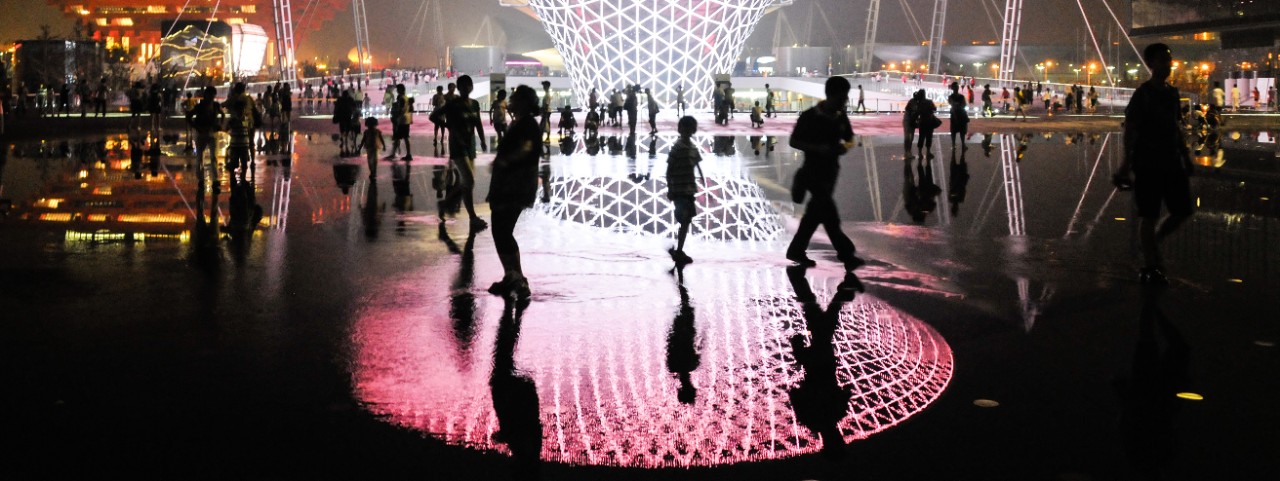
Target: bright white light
x,y
657,44
248,48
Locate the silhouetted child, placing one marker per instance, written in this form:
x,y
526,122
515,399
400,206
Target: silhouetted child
x,y
592,126
681,186
567,120
372,143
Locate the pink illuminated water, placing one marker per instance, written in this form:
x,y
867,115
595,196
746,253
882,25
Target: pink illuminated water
x,y
597,346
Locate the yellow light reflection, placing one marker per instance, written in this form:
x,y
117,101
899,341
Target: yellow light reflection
x,y
1190,396
56,217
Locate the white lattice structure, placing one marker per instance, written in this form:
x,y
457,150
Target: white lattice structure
x,y
657,44
729,208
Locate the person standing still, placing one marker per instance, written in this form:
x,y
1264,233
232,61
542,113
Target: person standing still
x,y
462,117
652,104
824,134
513,188
437,103
400,124
1157,162
632,104
768,101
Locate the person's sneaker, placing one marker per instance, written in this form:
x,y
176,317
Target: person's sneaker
x,y
679,257
1152,276
406,158
478,224
390,157
801,260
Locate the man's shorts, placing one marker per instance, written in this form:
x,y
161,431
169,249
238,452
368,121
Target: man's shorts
x,y
399,131
685,209
1173,190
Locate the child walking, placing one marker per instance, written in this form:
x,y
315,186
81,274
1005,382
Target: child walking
x,y
372,143
681,187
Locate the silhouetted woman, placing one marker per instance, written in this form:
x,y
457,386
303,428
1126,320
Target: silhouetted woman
x,y
514,187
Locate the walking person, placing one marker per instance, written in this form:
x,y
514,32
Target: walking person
x,y
926,120
909,115
514,187
372,143
959,116
1157,163
682,161
285,97
400,124
546,110
498,114
1020,103
1235,97
861,108
462,117
206,118
824,134
987,110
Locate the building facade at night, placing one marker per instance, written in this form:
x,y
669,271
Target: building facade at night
x,y
138,26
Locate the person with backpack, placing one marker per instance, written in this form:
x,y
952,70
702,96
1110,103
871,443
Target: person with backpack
x,y
206,118
243,120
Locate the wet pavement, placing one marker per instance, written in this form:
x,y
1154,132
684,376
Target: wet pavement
x,y
996,332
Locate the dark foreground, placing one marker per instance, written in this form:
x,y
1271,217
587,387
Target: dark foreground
x,y
351,336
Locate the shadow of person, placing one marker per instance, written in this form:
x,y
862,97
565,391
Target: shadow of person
x,y
515,396
958,182
1148,394
244,215
819,401
682,349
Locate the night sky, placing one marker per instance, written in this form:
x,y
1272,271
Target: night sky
x,y
394,29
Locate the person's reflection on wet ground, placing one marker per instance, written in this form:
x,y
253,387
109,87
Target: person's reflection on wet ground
x,y
755,144
819,401
245,213
682,348
615,145
958,181
401,173
723,145
918,192
593,145
1148,394
345,176
369,212
568,143
462,302
986,143
631,146
515,396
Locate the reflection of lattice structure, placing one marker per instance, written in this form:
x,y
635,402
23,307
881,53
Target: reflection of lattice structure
x,y
729,208
605,393
654,43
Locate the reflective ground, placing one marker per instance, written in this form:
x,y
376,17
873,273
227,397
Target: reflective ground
x,y
996,332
